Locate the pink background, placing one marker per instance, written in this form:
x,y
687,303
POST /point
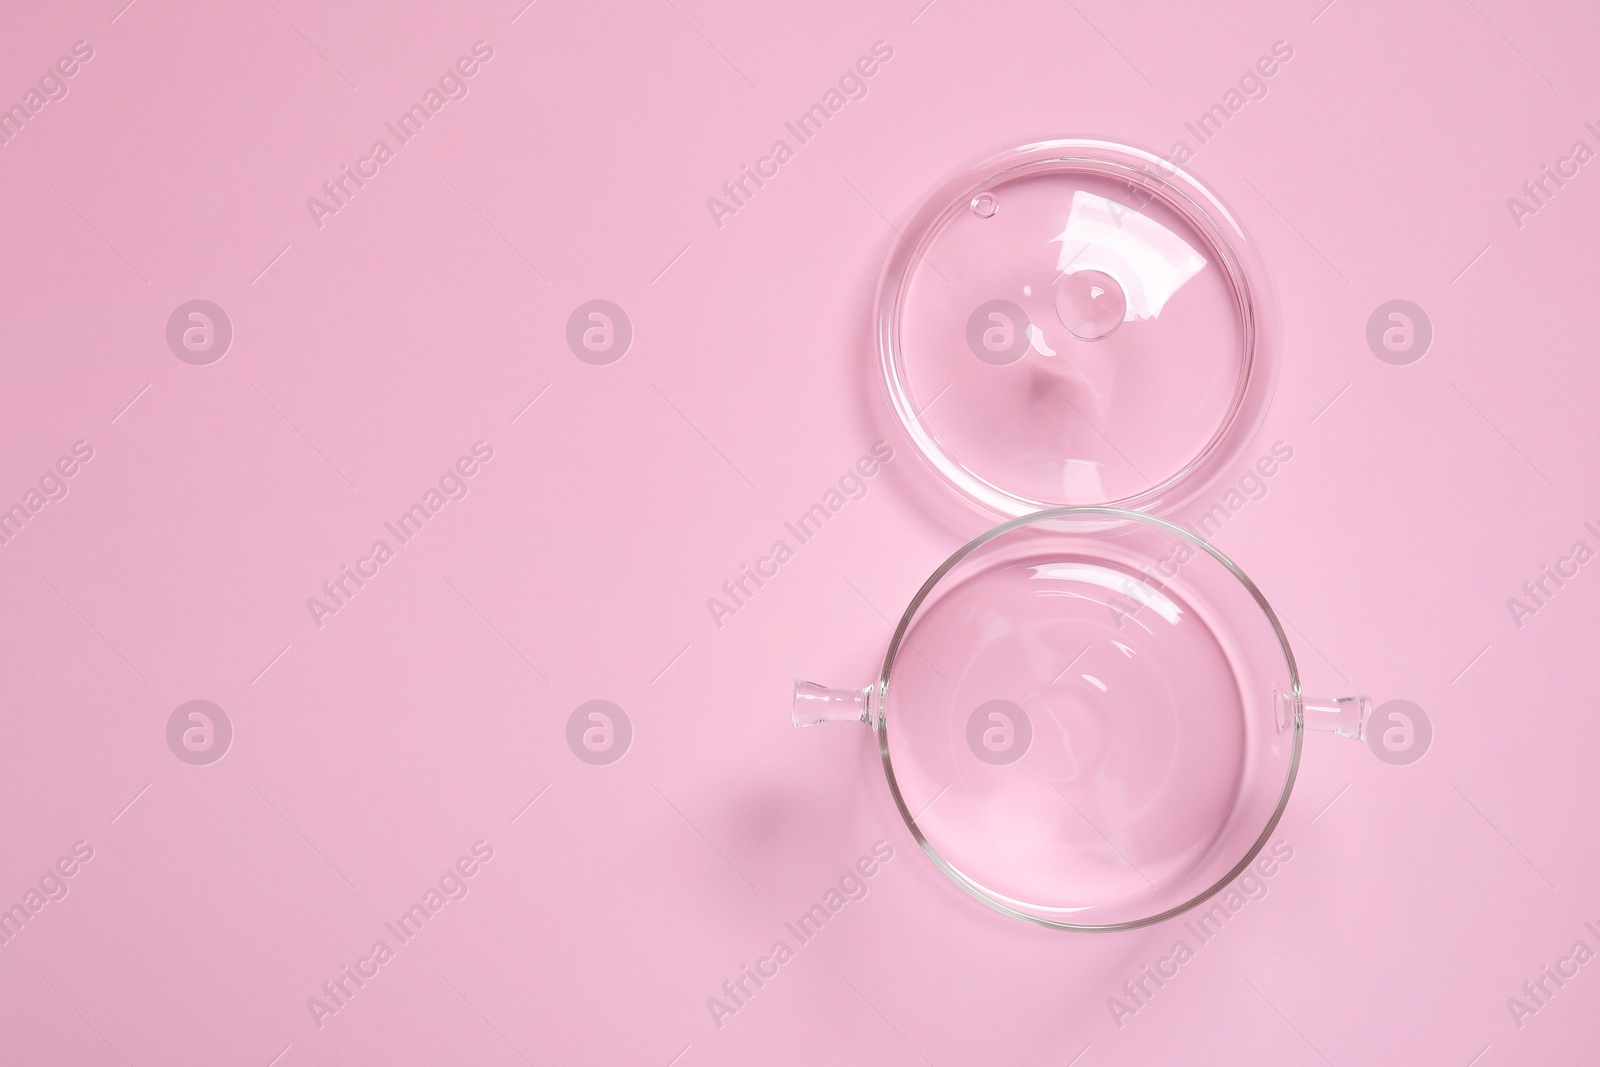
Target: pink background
x,y
370,353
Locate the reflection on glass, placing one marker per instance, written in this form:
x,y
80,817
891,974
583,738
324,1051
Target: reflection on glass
x,y
1116,581
1148,260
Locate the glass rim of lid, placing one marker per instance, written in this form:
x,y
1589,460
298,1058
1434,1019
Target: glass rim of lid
x,y
1177,192
1100,519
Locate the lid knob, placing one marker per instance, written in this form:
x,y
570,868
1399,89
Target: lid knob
x,y
1091,304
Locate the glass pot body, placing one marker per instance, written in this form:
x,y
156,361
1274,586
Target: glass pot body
x,y
1089,718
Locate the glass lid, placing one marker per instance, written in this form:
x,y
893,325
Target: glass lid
x,y
1075,323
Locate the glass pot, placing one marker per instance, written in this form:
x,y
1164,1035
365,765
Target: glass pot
x,y
1089,718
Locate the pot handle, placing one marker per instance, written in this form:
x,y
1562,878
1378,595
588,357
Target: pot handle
x,y
1345,716
815,703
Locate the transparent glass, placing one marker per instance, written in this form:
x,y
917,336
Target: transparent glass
x,y
1075,322
1089,718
